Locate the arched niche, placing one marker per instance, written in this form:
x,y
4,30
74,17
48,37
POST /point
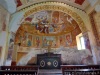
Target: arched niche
x,y
57,7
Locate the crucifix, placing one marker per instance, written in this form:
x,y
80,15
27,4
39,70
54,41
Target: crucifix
x,y
49,46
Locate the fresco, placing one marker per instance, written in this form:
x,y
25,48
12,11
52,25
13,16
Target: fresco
x,y
61,40
37,40
47,28
49,40
80,2
51,22
21,2
68,39
24,38
87,42
96,18
11,46
29,40
3,20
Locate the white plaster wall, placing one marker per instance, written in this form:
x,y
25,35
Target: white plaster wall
x,y
9,5
92,2
15,21
4,36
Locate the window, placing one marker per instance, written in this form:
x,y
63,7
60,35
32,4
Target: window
x,y
80,42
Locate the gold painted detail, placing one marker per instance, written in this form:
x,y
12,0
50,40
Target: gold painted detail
x,y
57,7
49,63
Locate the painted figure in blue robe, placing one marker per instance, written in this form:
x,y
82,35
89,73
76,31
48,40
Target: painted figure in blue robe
x,y
29,43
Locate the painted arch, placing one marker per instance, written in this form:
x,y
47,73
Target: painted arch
x,y
57,7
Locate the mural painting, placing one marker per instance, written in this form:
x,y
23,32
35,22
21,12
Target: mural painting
x,y
87,42
61,40
11,46
52,22
49,40
3,20
19,3
97,26
67,23
45,42
80,2
74,33
45,28
68,39
37,41
95,19
29,40
24,38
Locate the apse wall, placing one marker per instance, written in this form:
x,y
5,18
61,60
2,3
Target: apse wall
x,y
27,39
24,40
77,14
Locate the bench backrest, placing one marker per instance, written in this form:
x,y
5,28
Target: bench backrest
x,y
16,70
19,67
80,67
83,69
82,72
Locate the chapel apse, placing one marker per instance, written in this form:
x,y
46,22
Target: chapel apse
x,y
47,27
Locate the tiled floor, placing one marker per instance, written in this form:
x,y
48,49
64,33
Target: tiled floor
x,y
50,72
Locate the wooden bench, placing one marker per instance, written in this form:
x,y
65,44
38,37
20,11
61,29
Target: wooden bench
x,y
18,72
29,70
82,72
80,69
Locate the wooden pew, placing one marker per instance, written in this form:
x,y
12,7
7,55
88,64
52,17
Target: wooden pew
x,y
18,72
16,69
80,69
82,72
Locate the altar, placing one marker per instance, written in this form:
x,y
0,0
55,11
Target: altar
x,y
49,61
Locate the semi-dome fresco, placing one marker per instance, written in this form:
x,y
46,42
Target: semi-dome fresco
x,y
51,22
48,27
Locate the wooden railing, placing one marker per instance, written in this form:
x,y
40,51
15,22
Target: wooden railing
x,y
19,67
23,70
18,72
80,69
82,72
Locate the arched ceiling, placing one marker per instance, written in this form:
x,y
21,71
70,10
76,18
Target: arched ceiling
x,y
10,5
57,6
49,22
69,16
81,4
24,4
13,5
